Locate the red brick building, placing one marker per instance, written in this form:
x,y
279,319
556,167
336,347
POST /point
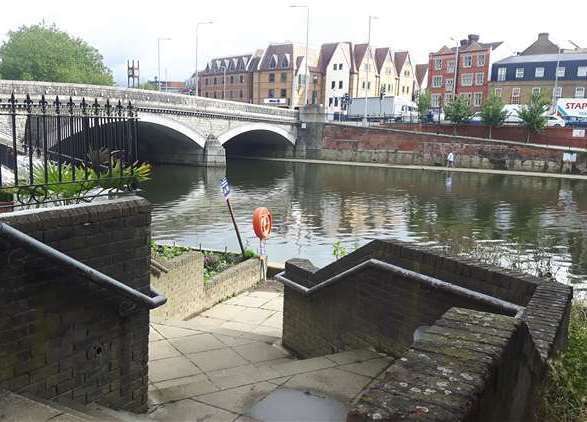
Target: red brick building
x,y
471,75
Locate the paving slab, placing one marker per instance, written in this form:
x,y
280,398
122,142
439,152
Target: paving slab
x,y
301,366
217,359
205,324
275,304
369,368
197,343
191,411
276,333
154,335
167,369
264,294
353,356
254,316
241,375
162,350
258,352
223,311
170,332
275,321
198,385
331,382
233,340
240,399
248,301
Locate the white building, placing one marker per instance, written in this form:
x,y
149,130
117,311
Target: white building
x,y
336,65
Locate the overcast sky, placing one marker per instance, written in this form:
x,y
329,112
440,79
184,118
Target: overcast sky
x,y
124,30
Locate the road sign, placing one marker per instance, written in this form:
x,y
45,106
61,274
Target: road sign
x,y
225,186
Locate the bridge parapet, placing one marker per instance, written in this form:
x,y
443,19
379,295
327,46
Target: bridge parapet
x,y
149,100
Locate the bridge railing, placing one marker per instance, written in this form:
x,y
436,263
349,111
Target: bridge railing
x,y
64,152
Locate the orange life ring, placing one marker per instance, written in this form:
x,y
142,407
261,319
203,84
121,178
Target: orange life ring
x,y
262,222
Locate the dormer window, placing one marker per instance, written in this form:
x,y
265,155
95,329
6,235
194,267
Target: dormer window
x,y
284,62
273,62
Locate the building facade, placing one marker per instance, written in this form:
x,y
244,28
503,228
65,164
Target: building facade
x,y
229,78
406,74
365,79
421,78
539,71
462,70
388,77
336,65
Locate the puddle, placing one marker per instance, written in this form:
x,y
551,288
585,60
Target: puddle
x,y
294,405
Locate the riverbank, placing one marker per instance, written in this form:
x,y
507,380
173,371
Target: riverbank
x,y
422,167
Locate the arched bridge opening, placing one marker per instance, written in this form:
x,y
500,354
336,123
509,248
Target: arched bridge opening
x,y
259,142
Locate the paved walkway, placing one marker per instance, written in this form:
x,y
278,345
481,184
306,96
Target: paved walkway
x,y
217,365
419,167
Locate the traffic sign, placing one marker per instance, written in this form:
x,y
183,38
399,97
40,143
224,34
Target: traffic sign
x,y
225,186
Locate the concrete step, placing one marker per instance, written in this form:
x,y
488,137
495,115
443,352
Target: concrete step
x,y
17,408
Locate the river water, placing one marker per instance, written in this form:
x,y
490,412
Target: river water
x,y
525,219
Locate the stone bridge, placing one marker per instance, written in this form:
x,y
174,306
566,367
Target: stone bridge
x,y
180,129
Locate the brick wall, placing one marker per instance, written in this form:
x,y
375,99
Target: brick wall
x,y
61,337
395,146
181,280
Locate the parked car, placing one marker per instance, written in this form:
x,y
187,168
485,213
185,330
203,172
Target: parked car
x,y
575,122
475,119
554,121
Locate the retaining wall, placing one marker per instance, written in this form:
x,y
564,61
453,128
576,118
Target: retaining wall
x,y
61,337
181,280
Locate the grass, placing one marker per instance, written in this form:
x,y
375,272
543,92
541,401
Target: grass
x,y
168,251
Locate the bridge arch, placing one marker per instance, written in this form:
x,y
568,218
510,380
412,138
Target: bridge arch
x,y
168,141
263,127
258,140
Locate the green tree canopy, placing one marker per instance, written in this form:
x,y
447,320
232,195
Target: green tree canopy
x,y
458,110
493,113
44,53
424,102
532,114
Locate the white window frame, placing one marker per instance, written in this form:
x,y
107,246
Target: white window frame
x,y
438,63
435,100
481,60
536,90
437,81
468,96
516,91
560,71
498,92
467,60
558,92
469,79
582,72
501,73
580,89
450,66
479,78
477,99
519,72
451,82
539,72
335,66
448,97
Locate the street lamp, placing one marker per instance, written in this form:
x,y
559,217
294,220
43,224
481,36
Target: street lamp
x,y
197,81
454,84
307,58
223,68
367,78
159,60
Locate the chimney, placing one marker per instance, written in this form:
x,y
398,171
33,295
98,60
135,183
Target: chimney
x,y
473,38
464,43
543,36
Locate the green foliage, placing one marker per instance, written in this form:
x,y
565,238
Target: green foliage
x,y
338,250
493,113
216,262
168,251
249,253
148,86
44,53
458,110
533,114
424,101
565,394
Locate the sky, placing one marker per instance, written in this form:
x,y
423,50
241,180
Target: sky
x,y
123,30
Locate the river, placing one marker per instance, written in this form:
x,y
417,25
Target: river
x,y
315,206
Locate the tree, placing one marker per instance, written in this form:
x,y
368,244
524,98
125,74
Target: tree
x,y
44,53
424,101
532,114
493,113
458,111
149,86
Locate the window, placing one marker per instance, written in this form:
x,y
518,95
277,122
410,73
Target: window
x,y
447,98
363,84
284,62
497,92
330,101
283,77
206,94
437,64
467,60
450,66
477,99
335,101
283,93
231,79
271,93
340,66
558,92
435,100
501,72
242,78
479,78
340,84
206,81
536,91
467,96
240,94
215,81
519,72
515,96
214,94
580,92
272,77
407,73
467,79
436,81
369,85
450,85
273,63
333,84
335,67
366,67
481,60
539,72
582,72
560,72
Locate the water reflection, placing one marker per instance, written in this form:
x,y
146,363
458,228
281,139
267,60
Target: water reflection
x,y
315,205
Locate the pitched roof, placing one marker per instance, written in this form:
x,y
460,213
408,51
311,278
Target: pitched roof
x,y
542,45
534,58
471,46
231,63
399,58
279,52
359,53
421,70
380,56
326,52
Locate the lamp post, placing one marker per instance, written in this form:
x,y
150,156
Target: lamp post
x,y
558,61
159,61
307,39
224,82
454,85
367,77
197,81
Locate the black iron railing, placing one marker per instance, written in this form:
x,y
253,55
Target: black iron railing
x,y
66,152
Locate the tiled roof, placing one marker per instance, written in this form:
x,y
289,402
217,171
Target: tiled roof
x,y
421,70
564,57
279,52
359,53
380,56
399,58
326,52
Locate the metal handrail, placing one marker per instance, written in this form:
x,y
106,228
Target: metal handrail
x,y
502,305
93,275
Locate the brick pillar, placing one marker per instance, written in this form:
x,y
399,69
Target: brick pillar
x,y
214,153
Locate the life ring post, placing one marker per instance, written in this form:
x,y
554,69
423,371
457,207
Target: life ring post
x,y
238,235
